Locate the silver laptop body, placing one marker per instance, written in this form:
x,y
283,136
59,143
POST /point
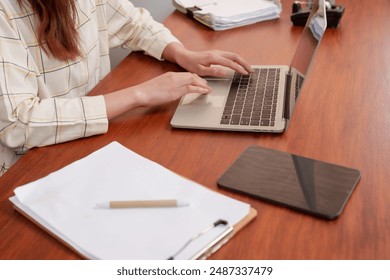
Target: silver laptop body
x,y
217,111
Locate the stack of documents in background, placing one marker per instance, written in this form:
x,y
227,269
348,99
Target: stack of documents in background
x,y
226,14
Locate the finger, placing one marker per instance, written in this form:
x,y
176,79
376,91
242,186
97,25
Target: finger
x,y
211,71
191,83
195,80
196,89
222,61
239,60
233,61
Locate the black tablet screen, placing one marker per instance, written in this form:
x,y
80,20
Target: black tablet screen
x,y
304,184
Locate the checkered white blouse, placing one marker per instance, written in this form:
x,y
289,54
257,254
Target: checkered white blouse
x,y
43,100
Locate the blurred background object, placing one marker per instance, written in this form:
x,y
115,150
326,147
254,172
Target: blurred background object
x,y
159,9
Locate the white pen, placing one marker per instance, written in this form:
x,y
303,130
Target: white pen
x,y
143,203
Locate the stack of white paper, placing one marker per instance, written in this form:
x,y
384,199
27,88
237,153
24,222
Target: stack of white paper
x,y
226,14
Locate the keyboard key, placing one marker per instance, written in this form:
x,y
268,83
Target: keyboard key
x,y
244,121
235,119
264,122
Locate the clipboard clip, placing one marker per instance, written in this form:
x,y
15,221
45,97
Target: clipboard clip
x,y
213,246
191,10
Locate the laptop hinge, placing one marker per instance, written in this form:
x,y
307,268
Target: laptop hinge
x,y
287,90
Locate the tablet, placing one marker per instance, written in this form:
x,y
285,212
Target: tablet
x,y
304,184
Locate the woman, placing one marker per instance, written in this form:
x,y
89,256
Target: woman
x,y
53,52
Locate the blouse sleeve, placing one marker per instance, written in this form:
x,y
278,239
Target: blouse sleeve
x,y
27,117
134,28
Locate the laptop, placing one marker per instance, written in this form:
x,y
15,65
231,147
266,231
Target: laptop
x,y
260,102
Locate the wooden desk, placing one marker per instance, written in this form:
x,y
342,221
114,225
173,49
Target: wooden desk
x,y
343,116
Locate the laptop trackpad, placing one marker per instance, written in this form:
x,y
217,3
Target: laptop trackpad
x,y
216,98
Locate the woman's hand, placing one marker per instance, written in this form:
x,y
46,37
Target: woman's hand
x,y
160,90
169,87
201,62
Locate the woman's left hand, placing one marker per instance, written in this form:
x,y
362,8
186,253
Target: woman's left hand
x,y
201,62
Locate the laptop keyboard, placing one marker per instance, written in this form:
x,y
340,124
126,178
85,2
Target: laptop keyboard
x,y
252,99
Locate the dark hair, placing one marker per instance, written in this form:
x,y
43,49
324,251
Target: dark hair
x,y
56,32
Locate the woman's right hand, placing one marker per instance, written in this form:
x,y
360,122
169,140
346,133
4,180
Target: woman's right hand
x,y
163,89
169,87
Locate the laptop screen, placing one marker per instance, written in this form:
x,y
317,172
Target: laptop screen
x,y
310,38
311,35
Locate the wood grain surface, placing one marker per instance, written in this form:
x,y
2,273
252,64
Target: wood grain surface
x,y
342,117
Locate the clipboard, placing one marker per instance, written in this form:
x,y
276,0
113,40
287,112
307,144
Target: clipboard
x,y
61,205
203,254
